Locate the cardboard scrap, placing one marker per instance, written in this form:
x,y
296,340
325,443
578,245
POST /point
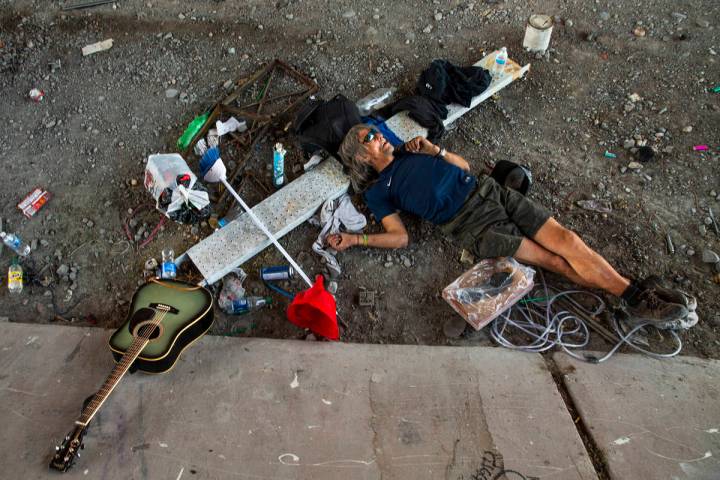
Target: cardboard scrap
x,y
97,47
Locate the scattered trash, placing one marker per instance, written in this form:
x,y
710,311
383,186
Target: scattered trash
x,y
634,165
195,126
669,244
375,100
232,289
332,287
366,298
716,89
645,154
15,244
537,33
599,206
245,305
488,289
498,68
634,97
176,190
91,3
33,202
314,160
609,154
151,264
231,125
168,269
15,277
278,165
701,148
280,272
639,32
217,223
97,47
36,95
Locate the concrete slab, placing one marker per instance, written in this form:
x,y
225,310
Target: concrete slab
x,y
270,409
650,418
284,210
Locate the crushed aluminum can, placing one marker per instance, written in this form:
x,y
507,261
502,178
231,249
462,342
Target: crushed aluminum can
x,y
36,95
33,202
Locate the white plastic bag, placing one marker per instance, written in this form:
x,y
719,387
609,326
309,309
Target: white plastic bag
x,y
161,180
488,289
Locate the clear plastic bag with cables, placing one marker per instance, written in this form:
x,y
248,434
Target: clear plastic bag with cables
x,y
488,289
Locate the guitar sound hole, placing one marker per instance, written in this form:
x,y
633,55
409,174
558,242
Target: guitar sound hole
x,y
142,330
141,323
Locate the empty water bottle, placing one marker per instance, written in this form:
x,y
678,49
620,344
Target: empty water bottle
x,y
15,244
500,63
15,277
243,305
168,270
375,100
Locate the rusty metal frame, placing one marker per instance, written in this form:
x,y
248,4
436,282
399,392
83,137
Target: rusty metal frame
x,y
260,122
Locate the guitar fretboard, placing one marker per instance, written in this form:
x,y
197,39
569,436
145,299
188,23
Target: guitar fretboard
x,y
121,367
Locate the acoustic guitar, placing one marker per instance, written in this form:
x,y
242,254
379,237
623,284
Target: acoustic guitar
x,y
165,317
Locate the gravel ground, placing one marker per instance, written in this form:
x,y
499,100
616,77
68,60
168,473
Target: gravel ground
x,y
619,75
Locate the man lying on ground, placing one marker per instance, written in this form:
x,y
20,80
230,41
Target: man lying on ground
x,y
483,217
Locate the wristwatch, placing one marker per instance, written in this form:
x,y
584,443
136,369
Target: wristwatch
x,y
442,152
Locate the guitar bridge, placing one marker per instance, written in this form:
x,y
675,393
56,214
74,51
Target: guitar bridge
x,y
164,308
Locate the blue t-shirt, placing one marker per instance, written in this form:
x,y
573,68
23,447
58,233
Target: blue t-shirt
x,y
426,186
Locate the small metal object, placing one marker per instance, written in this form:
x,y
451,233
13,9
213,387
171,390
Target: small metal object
x,y
669,243
281,272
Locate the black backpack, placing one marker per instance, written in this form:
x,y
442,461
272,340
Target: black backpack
x,y
323,124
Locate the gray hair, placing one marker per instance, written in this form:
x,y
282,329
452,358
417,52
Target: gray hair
x,y
352,152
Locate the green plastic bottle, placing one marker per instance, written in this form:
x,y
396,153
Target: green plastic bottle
x,y
192,129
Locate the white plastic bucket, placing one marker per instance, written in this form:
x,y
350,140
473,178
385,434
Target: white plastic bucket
x,y
537,33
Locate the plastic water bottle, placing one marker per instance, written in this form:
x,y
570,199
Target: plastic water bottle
x,y
500,62
168,270
15,277
247,304
375,100
15,244
278,165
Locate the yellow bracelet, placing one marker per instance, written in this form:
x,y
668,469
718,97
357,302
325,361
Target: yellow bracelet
x,y
365,239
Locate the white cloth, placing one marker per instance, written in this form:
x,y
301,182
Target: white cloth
x,y
333,215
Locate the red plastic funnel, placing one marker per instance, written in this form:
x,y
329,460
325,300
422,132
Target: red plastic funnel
x,y
315,309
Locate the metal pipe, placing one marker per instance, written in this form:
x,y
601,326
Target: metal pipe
x,y
262,227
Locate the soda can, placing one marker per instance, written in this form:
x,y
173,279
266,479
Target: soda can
x,y
36,95
281,272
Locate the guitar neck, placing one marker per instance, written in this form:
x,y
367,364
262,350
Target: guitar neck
x,y
112,380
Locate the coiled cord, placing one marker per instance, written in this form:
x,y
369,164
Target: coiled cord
x,y
550,326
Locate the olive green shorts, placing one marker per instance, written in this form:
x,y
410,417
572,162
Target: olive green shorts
x,y
493,221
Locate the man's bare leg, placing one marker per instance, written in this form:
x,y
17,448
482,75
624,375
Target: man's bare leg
x,y
530,252
592,269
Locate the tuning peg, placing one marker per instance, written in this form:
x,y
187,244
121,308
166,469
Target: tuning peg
x,y
57,448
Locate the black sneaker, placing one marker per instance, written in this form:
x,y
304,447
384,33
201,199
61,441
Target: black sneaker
x,y
669,295
651,308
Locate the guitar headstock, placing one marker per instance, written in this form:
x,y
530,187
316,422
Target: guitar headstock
x,y
66,452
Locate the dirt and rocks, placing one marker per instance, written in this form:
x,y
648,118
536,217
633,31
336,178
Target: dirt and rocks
x,y
618,76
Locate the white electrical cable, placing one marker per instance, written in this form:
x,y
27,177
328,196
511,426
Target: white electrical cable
x,y
551,327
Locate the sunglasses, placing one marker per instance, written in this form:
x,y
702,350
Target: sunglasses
x,y
370,135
